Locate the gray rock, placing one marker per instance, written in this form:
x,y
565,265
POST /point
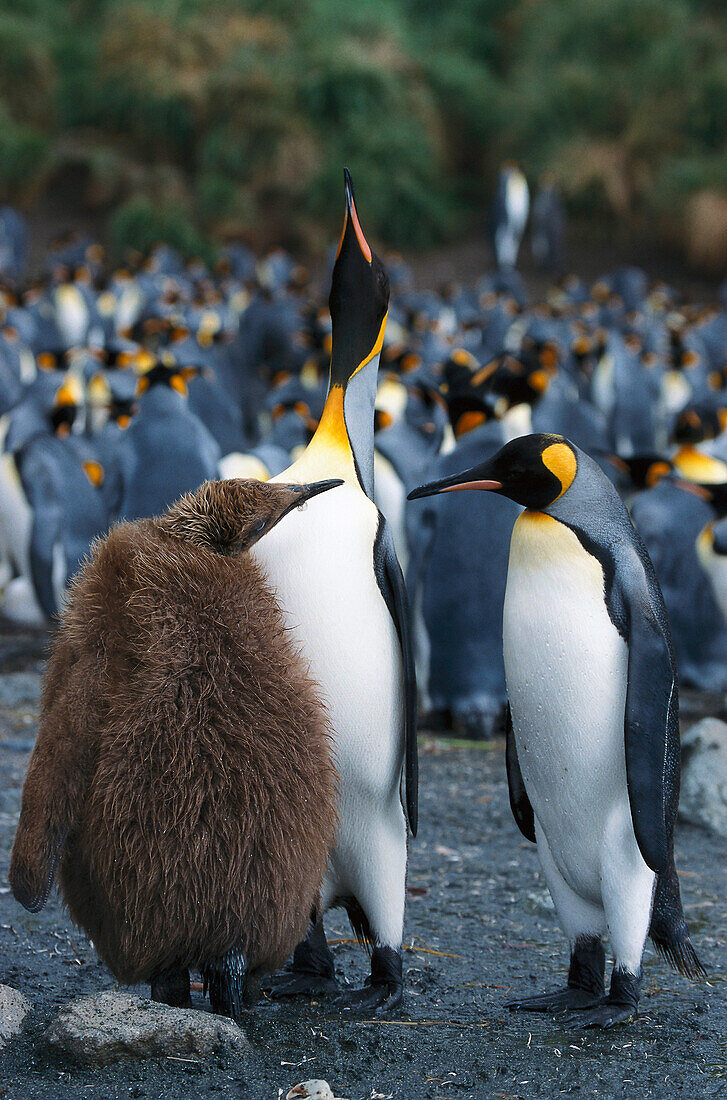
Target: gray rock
x,y
19,687
14,1007
704,775
110,1026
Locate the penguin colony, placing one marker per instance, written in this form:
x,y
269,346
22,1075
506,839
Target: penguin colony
x,y
182,778
144,380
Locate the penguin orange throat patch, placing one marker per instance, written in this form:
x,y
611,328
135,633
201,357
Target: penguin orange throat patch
x,y
695,465
329,452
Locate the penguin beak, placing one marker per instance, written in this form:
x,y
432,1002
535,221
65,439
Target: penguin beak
x,y
304,493
468,479
352,216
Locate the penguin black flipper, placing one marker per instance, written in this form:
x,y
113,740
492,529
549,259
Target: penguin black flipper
x,y
46,530
391,583
651,733
522,811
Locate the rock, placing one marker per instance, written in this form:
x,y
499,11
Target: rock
x,y
704,775
312,1090
14,1007
109,1026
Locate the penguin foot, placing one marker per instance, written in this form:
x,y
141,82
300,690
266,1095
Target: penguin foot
x,y
299,983
604,1015
560,1000
312,972
384,988
585,982
225,981
171,987
618,1008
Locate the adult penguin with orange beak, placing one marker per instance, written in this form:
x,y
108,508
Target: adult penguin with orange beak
x,y
593,729
337,579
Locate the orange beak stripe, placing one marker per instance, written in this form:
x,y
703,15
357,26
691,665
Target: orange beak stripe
x,y
486,486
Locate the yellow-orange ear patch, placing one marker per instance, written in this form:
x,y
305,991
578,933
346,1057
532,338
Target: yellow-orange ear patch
x,y
656,472
694,465
468,421
560,460
375,349
94,472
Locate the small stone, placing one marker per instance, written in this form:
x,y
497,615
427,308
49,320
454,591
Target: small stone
x,y
14,1007
704,775
312,1090
107,1027
539,902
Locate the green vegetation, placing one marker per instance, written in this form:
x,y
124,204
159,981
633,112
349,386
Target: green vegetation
x,y
193,118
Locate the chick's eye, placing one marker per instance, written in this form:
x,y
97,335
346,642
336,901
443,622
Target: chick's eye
x,y
258,526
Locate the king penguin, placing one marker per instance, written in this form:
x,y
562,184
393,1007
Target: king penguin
x,y
593,729
339,584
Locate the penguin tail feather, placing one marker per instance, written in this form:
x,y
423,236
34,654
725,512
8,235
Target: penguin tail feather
x,y
359,924
681,957
669,932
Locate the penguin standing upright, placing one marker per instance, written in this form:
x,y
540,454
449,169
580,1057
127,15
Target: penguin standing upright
x,y
510,214
166,451
182,778
335,574
593,735
548,226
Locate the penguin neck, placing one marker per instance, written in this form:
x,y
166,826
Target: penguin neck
x,y
162,399
343,444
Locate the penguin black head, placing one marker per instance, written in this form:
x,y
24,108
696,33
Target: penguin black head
x,y
359,302
228,517
641,471
359,298
66,403
533,470
161,371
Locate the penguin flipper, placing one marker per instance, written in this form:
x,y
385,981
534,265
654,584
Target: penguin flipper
x,y
522,811
391,583
58,777
650,725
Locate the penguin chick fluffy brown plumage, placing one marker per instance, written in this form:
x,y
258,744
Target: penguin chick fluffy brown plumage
x,y
183,774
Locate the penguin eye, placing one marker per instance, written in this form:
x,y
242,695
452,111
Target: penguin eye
x,y
258,526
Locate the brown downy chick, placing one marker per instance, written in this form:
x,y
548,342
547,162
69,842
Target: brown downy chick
x,y
182,777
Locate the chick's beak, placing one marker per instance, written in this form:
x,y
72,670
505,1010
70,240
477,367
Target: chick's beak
x,y
313,489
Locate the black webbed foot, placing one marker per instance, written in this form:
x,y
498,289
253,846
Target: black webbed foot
x,y
171,987
311,973
585,982
618,1008
560,1000
603,1015
296,983
384,989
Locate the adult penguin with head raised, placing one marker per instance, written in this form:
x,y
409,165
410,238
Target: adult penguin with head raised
x,y
593,733
336,576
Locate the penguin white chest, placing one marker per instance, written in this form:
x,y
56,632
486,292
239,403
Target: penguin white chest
x,y
566,668
320,564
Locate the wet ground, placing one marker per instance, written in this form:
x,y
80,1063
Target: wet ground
x,y
479,929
